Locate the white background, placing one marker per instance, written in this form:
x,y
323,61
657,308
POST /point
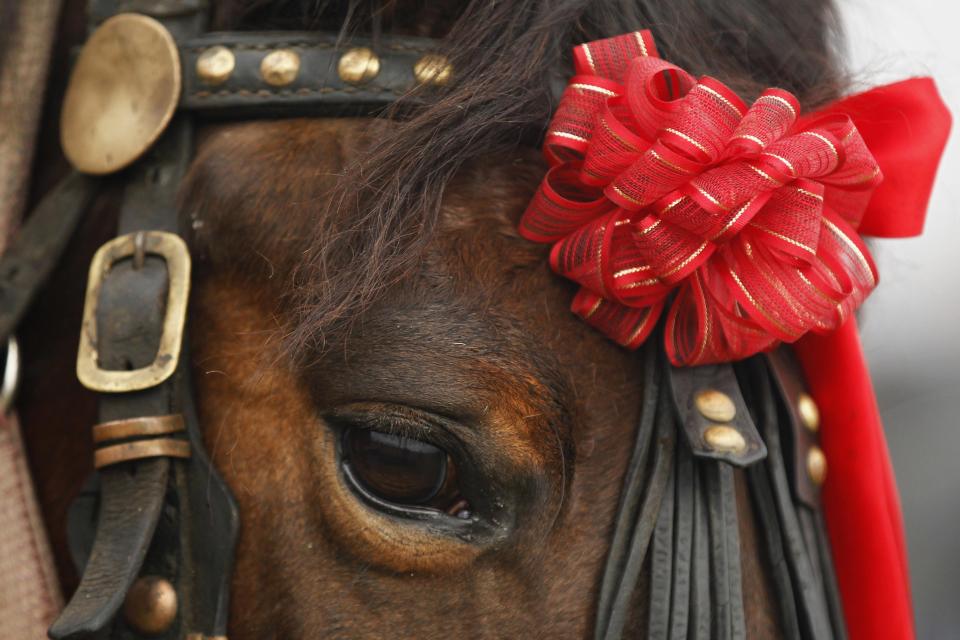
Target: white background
x,y
911,324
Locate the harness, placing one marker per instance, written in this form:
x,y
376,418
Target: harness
x,y
154,530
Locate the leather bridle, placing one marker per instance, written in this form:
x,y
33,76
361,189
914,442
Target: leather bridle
x,y
157,508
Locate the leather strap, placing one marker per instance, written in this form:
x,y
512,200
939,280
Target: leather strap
x,y
683,544
639,504
129,322
192,545
766,508
789,385
726,586
700,605
38,247
696,588
317,89
813,614
661,563
687,383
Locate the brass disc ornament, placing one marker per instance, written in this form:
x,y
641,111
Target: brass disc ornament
x,y
122,93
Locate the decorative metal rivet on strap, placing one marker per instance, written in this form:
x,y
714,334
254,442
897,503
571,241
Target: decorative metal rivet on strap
x,y
715,405
136,438
723,437
215,65
434,69
280,68
358,65
122,93
808,411
174,250
816,465
151,605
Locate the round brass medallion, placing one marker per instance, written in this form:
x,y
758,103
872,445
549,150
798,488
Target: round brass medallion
x,y
151,605
715,405
722,437
122,93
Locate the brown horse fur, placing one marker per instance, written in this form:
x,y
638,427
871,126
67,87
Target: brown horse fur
x,y
478,344
409,301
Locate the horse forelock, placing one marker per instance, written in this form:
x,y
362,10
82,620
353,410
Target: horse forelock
x,y
380,212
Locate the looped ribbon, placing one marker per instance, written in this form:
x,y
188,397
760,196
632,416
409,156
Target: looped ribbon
x,y
669,193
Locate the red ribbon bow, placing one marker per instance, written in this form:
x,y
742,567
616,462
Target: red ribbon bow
x,y
663,186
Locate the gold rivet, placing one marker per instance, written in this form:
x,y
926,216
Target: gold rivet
x,y
433,68
279,68
816,465
215,65
358,65
151,605
722,437
809,413
715,405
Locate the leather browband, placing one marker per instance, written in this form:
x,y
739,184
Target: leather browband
x,y
319,86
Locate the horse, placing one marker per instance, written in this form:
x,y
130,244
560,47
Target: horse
x,y
372,340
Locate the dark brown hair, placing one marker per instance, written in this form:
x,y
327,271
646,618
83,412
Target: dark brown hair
x,y
509,58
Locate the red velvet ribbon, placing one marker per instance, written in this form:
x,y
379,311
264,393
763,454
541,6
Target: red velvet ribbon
x,y
668,194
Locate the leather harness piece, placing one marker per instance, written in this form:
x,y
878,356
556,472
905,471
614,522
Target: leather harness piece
x,y
679,507
317,87
156,508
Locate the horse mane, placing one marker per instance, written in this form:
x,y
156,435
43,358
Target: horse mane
x,y
508,59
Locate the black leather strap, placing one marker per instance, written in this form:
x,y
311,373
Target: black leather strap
x,y
813,614
700,605
725,580
766,508
640,502
661,563
788,384
317,89
686,383
37,248
158,516
696,582
831,588
685,479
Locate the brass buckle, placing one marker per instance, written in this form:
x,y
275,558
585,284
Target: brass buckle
x,y
174,250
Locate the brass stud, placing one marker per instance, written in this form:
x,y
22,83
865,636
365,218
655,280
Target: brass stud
x,y
715,405
816,465
809,413
151,605
215,65
434,69
280,68
358,65
722,437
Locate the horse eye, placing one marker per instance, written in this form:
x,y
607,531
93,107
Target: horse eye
x,y
394,468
